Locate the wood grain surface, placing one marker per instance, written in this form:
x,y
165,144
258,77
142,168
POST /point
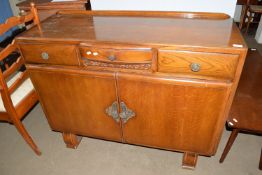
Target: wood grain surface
x,y
102,60
210,64
32,53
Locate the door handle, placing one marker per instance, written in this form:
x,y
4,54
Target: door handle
x,y
112,111
126,113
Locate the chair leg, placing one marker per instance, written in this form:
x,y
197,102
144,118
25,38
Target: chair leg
x,y
243,16
248,22
21,129
260,162
229,144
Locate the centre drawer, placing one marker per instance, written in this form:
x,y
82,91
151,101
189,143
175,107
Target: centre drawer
x,y
117,55
60,54
198,64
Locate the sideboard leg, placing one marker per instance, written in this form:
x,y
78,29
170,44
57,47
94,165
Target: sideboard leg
x,y
71,140
189,160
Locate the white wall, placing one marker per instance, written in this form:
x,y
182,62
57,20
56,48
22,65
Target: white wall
x,y
224,6
237,13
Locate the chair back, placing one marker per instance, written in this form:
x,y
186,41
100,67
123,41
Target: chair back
x,y
7,89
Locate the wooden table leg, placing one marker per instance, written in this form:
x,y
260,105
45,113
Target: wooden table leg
x,y
189,160
229,144
71,140
260,162
243,16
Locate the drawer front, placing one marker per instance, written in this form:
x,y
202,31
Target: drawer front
x,y
127,58
50,54
117,55
198,64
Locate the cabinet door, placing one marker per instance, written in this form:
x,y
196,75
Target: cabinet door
x,y
76,101
173,114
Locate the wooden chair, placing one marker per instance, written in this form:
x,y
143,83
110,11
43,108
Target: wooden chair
x,y
251,11
243,16
17,93
246,110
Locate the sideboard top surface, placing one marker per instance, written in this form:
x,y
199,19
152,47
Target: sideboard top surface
x,y
137,30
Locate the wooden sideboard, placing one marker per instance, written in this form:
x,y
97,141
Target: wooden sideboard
x,y
158,79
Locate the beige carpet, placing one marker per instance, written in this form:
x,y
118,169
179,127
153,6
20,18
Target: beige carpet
x,y
108,158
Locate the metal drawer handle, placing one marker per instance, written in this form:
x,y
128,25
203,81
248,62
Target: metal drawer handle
x,y
112,111
45,55
195,67
112,57
126,113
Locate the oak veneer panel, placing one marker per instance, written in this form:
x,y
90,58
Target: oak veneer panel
x,y
57,53
76,104
211,64
172,115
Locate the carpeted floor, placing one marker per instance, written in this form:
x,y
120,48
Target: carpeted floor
x,y
108,158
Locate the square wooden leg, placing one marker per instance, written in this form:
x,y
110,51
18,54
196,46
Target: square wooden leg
x,y
189,160
71,140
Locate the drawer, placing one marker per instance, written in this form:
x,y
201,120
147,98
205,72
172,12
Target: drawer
x,y
198,63
117,57
120,55
50,54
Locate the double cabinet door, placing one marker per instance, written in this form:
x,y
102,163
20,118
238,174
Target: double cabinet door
x,y
150,110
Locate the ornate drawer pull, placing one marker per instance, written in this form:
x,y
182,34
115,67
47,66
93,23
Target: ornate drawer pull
x,y
45,55
112,57
88,52
112,111
126,113
195,67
